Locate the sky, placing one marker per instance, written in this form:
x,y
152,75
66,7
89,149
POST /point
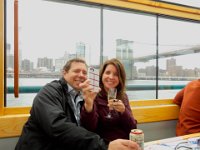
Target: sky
x,y
48,29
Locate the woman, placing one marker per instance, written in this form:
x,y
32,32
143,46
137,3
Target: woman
x,y
93,114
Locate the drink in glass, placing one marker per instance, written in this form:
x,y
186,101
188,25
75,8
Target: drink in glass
x,y
112,94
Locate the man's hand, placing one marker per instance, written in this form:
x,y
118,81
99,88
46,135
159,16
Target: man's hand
x,y
88,94
121,144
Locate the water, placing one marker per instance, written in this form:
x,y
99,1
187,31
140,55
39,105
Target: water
x,y
27,99
24,99
151,94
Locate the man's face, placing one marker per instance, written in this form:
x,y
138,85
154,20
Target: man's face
x,y
76,74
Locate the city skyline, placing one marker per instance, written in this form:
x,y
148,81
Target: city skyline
x,y
172,69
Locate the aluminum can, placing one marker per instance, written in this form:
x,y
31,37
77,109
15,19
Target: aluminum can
x,y
137,136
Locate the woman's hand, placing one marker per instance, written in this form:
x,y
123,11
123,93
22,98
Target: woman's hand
x,y
117,105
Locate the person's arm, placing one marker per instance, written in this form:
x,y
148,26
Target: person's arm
x,y
89,120
128,121
89,116
123,107
48,112
179,97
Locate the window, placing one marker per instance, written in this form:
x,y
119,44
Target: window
x,y
179,52
127,38
48,37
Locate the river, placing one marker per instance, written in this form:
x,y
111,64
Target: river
x,y
27,99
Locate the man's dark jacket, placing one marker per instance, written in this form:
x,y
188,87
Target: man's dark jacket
x,y
52,124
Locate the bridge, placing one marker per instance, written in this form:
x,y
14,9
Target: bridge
x,y
192,50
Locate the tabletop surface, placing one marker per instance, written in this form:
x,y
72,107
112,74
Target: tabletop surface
x,y
186,142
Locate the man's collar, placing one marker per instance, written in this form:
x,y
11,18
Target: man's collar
x,y
72,90
68,87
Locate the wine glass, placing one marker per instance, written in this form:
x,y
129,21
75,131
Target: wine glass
x,y
112,94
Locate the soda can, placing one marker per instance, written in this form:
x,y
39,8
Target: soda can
x,y
137,136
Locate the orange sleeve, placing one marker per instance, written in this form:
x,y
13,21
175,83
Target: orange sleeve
x,y
179,97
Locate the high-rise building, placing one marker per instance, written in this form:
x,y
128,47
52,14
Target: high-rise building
x,y
151,71
80,50
27,65
45,62
124,52
8,46
59,63
171,63
171,67
10,61
10,58
105,58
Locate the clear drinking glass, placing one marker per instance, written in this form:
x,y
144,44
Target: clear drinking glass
x,y
112,94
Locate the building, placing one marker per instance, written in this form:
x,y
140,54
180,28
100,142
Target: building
x,y
80,50
45,62
170,67
124,52
59,63
26,65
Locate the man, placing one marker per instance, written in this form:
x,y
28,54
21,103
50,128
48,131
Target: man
x,y
189,101
54,118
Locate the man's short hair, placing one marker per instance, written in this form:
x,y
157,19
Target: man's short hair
x,y
67,66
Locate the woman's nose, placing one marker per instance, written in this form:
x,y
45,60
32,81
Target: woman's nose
x,y
111,76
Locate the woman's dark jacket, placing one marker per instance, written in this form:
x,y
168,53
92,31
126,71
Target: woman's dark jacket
x,y
52,124
119,126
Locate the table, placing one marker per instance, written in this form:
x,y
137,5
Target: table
x,y
185,142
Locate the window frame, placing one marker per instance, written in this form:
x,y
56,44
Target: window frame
x,y
150,6
1,56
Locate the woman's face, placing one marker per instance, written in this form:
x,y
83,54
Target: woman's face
x,y
110,77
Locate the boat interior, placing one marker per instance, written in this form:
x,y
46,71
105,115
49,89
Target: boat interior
x,y
156,116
